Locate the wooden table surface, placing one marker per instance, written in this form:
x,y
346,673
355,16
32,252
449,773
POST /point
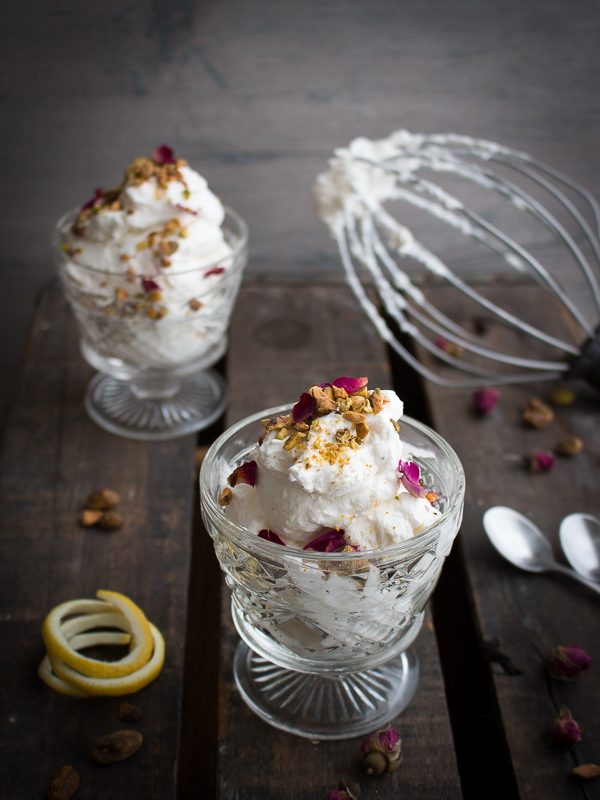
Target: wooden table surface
x,y
472,730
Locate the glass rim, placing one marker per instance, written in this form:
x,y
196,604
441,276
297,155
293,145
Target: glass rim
x,y
244,536
67,220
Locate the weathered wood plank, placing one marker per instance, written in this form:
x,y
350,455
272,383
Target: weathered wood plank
x,y
528,614
51,457
283,339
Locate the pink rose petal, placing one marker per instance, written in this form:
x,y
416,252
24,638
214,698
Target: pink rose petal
x,y
327,542
351,385
149,285
409,475
388,740
214,271
304,407
96,199
163,155
245,473
270,536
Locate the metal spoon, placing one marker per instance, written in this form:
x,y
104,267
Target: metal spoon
x,y
523,544
580,540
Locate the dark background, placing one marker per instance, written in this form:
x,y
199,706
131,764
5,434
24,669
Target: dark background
x,y
256,94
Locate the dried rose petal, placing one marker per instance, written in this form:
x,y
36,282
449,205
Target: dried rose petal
x,y
163,155
351,385
484,400
245,473
149,285
214,271
96,199
270,536
326,542
564,729
565,663
304,408
186,210
539,461
341,793
409,475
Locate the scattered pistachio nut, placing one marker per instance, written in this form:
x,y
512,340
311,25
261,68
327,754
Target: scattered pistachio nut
x,y
129,713
116,746
432,497
569,447
195,304
561,396
64,784
537,414
339,393
225,497
90,517
102,501
354,417
110,521
586,771
362,430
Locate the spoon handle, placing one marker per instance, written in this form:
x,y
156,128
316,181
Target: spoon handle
x,y
572,574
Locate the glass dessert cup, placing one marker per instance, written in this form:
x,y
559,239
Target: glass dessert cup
x,y
154,380
325,650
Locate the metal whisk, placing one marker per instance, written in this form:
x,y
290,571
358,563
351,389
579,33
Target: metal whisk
x,y
350,198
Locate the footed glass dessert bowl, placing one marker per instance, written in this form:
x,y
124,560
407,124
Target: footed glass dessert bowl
x,y
154,338
325,650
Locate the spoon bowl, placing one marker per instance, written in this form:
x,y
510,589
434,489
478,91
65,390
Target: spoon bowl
x,y
518,539
524,545
580,541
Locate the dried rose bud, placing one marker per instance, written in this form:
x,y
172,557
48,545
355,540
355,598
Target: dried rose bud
x,y
537,414
561,396
539,461
341,793
163,155
586,771
565,663
380,746
485,400
569,447
564,729
129,713
451,348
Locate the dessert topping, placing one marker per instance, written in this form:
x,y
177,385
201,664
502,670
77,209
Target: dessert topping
x,y
271,536
565,663
245,473
305,407
409,475
225,497
214,271
327,542
163,155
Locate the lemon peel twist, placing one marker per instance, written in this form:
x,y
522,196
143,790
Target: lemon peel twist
x,y
67,671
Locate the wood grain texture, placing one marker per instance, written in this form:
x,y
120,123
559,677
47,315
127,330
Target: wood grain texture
x,y
51,457
282,340
528,614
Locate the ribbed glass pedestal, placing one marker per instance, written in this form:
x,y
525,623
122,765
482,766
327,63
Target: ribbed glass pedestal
x,y
152,412
322,706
